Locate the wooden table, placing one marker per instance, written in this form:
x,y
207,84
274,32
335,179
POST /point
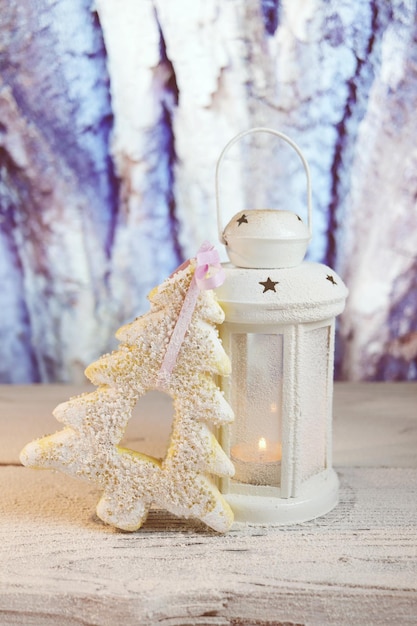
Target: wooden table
x,y
60,565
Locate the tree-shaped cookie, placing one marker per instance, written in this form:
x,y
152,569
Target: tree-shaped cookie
x,y
174,347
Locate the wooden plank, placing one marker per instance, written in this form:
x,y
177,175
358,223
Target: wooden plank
x,y
374,423
59,560
358,565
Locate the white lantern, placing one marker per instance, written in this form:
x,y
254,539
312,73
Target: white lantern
x,y
279,335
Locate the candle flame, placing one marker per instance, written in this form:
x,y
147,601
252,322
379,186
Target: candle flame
x,y
262,443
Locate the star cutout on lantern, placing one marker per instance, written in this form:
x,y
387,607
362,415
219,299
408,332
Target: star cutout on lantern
x,y
331,279
268,285
242,220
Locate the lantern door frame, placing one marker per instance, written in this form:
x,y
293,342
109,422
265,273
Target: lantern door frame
x,y
297,498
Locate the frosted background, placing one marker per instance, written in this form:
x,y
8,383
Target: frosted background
x,y
112,116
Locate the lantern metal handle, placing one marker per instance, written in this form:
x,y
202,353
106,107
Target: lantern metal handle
x,y
277,133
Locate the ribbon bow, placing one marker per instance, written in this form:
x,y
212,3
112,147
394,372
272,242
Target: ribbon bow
x,y
208,274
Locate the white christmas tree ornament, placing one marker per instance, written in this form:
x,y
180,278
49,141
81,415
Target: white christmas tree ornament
x,y
175,348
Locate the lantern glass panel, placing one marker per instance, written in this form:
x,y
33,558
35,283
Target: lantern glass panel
x,y
314,400
256,397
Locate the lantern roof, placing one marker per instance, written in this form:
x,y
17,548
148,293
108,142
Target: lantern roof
x,y
305,293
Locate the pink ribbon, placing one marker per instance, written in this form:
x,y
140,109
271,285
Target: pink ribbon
x,y
208,274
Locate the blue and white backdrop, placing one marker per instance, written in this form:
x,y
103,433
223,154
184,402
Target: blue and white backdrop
x,y
112,116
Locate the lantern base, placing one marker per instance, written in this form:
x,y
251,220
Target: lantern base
x,y
317,496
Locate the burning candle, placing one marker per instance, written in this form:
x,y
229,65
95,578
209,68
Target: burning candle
x,y
257,462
